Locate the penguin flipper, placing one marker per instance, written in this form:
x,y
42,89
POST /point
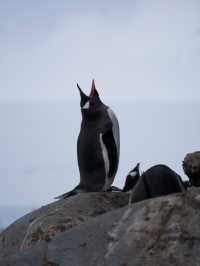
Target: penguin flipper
x,y
111,147
68,194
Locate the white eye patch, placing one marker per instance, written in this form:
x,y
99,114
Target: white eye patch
x,y
133,174
86,105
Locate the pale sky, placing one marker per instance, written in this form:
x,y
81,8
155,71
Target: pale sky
x,y
134,49
141,53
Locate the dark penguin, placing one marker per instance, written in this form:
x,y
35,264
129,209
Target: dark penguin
x,y
157,181
132,178
98,145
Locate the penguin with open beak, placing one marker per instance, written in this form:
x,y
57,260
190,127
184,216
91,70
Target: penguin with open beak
x,y
98,145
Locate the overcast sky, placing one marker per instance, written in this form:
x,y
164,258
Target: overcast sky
x,y
134,49
139,52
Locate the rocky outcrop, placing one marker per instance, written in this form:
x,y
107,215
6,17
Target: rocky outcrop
x,y
42,225
97,229
191,167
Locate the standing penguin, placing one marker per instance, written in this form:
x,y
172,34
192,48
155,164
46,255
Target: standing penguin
x,y
98,145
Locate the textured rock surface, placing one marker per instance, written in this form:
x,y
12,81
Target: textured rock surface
x,y
191,167
60,216
101,229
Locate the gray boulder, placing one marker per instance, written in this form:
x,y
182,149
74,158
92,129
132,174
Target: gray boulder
x,y
97,229
191,167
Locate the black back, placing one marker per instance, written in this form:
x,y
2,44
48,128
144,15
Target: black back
x,y
157,181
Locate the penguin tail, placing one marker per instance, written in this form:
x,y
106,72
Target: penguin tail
x,y
73,192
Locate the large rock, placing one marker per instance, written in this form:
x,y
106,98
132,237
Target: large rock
x,y
97,229
60,216
191,167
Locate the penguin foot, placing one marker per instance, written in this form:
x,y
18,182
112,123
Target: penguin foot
x,y
115,189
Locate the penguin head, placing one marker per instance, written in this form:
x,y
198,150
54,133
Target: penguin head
x,y
136,171
132,178
90,104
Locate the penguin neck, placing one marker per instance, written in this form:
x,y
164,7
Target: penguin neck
x,y
88,117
